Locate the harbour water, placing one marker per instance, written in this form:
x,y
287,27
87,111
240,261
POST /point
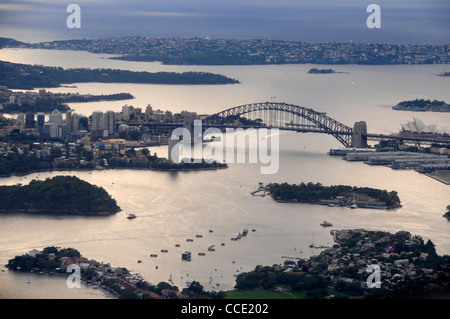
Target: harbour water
x,y
173,206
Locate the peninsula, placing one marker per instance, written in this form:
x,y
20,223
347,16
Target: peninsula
x,y
409,268
47,102
27,77
340,195
59,195
116,282
212,51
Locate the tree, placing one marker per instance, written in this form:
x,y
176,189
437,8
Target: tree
x,y
195,287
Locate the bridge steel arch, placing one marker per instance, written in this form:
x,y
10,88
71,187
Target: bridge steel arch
x,y
321,122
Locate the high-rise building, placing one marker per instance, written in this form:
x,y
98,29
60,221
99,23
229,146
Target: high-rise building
x,y
29,120
69,118
83,123
20,121
55,117
98,126
126,111
40,121
97,120
110,122
75,125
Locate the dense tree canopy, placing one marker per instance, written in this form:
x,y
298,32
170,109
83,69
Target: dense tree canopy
x,y
61,194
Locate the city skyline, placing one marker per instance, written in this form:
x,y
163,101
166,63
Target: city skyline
x,y
417,22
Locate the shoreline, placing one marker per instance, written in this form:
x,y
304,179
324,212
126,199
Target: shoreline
x,y
345,206
54,213
117,168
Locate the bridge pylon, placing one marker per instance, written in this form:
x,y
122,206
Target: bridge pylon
x,y
359,137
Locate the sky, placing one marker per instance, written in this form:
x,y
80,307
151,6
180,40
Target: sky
x,y
312,21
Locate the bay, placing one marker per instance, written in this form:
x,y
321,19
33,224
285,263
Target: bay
x,y
174,206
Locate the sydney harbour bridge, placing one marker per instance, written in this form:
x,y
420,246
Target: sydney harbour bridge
x,y
284,116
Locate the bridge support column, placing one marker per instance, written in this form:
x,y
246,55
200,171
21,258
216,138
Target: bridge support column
x,y
359,138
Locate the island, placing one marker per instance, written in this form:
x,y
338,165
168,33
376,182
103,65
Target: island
x,y
27,77
66,195
321,71
422,105
339,195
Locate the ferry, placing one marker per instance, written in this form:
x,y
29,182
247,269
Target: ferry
x,y
186,255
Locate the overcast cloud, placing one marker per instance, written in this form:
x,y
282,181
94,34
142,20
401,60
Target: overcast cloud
x,y
412,21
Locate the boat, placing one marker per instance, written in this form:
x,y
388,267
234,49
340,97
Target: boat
x,y
326,224
131,216
177,245
201,254
189,239
223,244
199,236
164,250
211,230
211,248
186,255
354,206
253,230
139,261
244,232
153,255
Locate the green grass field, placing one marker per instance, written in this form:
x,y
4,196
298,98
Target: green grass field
x,y
265,294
